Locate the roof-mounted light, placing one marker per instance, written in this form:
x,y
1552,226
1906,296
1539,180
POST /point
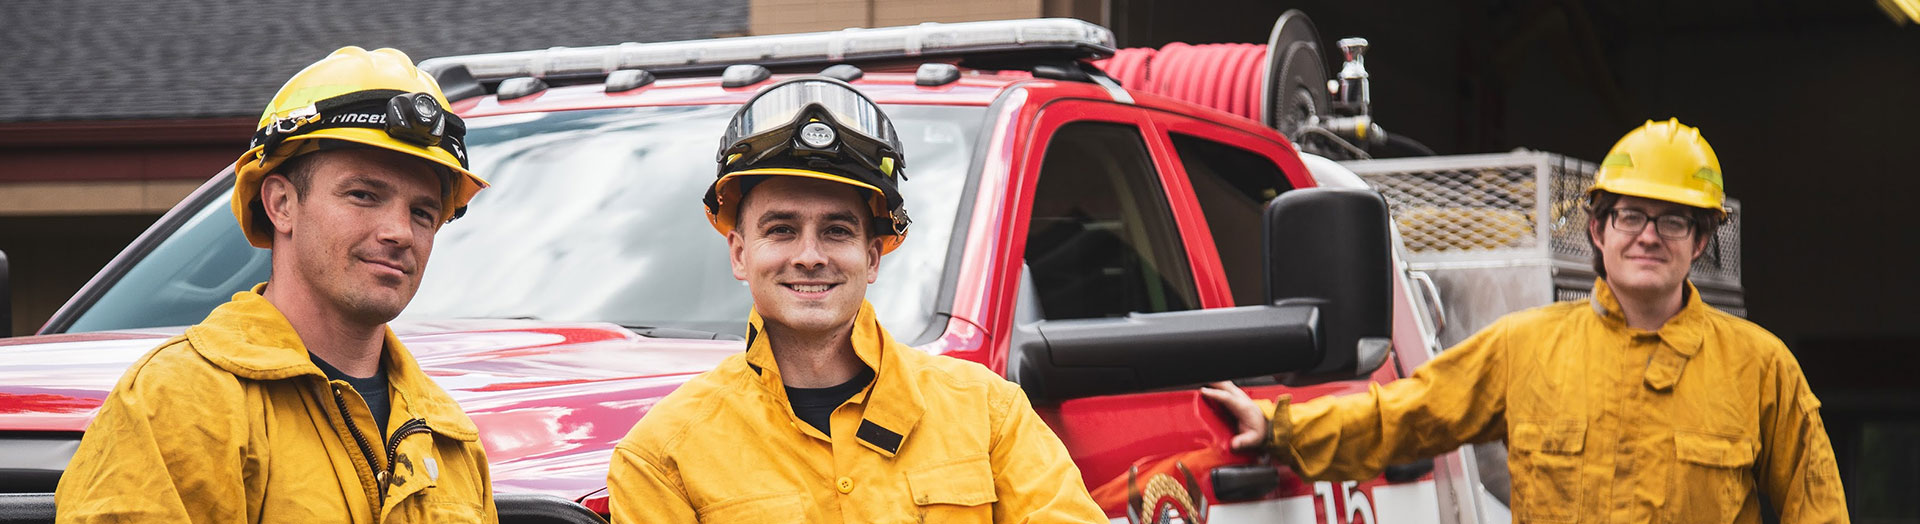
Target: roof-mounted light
x,y
1067,37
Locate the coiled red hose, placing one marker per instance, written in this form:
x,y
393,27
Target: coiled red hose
x,y
1227,77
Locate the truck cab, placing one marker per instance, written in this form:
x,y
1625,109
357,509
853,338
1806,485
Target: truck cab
x,y
1106,248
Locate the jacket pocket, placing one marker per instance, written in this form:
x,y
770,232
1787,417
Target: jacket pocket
x,y
455,512
1712,477
957,484
1545,459
774,507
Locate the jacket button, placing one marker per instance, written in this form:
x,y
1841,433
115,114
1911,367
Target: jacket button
x,y
846,485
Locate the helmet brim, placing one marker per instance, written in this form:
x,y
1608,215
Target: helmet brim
x,y
251,169
727,193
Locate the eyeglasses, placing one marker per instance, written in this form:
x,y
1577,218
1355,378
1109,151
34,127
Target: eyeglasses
x,y
1670,227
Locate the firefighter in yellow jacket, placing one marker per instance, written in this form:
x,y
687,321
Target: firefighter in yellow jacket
x,y
294,402
1640,404
825,417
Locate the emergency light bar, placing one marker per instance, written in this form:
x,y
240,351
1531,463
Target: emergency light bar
x,y
1056,36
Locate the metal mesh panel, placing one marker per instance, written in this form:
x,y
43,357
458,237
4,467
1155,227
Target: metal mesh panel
x,y
1721,261
1564,294
1462,210
1570,179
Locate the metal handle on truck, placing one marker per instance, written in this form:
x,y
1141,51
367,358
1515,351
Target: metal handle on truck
x,y
1436,309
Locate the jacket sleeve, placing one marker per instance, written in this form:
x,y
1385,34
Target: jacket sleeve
x,y
163,448
640,491
492,513
1797,468
1454,399
1033,476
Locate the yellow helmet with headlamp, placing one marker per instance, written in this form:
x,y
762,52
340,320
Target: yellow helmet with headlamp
x,y
815,127
355,98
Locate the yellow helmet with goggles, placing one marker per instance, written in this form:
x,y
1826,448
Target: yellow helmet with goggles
x,y
358,98
815,127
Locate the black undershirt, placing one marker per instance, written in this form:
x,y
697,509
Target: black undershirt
x,y
816,405
371,389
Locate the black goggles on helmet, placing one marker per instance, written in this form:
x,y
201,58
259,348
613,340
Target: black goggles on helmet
x,y
814,122
415,118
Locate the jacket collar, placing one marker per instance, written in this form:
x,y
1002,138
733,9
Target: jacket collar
x,y
1683,334
893,404
251,339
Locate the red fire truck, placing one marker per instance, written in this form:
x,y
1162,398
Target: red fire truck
x,y
1106,230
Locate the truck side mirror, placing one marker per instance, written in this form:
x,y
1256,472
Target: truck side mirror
x,y
1328,264
6,299
1332,248
529,508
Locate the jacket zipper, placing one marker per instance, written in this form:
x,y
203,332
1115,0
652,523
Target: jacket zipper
x,y
380,474
393,447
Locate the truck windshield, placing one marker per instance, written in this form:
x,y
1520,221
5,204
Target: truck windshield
x,y
593,215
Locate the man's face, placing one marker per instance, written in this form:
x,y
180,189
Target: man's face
x,y
1645,263
803,249
360,236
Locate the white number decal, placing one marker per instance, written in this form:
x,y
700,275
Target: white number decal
x,y
1359,507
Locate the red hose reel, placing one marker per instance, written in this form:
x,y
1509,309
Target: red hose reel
x,y
1282,84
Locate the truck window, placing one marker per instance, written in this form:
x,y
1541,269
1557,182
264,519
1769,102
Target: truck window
x,y
1102,241
1233,186
594,216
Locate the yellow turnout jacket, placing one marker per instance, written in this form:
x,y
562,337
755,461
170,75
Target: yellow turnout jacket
x,y
232,423
1604,423
931,439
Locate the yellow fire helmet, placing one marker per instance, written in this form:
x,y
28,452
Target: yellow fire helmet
x,y
354,96
1664,161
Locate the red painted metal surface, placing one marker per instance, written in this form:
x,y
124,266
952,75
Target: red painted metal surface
x,y
1109,435
551,399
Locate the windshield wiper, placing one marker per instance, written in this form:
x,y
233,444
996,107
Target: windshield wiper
x,y
672,332
647,331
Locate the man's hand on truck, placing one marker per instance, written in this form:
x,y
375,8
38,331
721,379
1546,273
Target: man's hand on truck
x,y
1250,417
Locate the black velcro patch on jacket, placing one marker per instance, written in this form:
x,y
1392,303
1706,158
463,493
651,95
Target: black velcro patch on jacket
x,y
752,333
880,437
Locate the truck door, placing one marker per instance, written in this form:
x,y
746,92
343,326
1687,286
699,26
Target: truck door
x,y
1110,231
1101,240
1130,211
1231,174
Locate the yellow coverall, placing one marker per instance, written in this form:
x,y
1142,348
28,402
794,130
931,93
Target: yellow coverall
x,y
1604,423
231,423
931,439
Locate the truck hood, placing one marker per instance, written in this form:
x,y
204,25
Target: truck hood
x,y
551,399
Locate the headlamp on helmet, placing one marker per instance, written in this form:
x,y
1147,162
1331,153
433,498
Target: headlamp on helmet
x,y
355,98
415,118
